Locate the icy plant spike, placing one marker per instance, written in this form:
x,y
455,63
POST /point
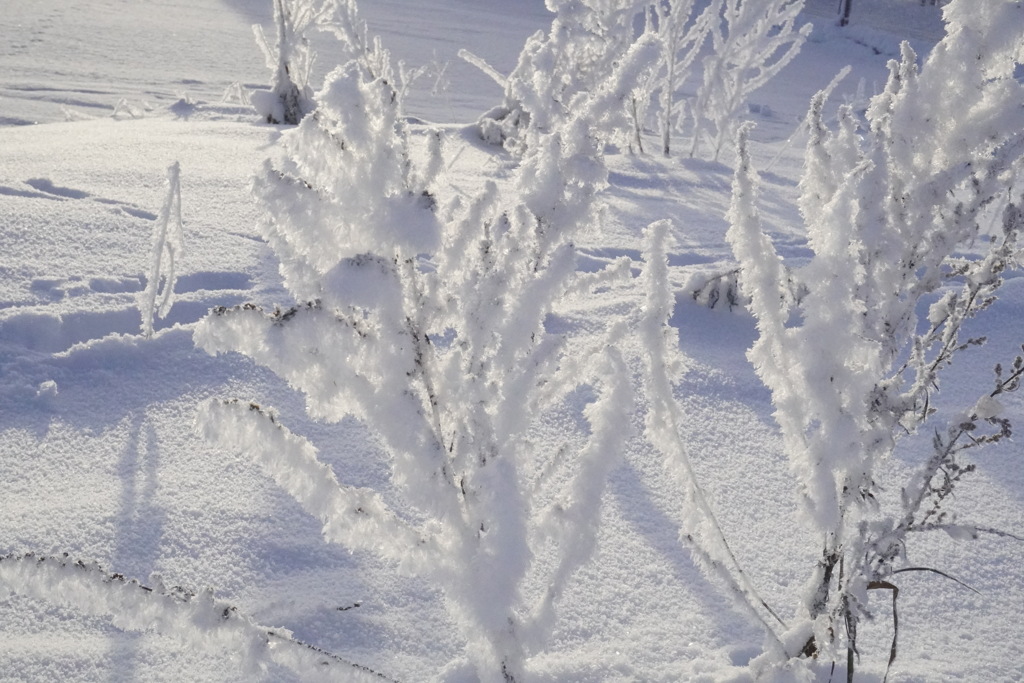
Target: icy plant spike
x,y
168,245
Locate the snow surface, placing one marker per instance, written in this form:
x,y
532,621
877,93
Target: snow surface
x,y
99,456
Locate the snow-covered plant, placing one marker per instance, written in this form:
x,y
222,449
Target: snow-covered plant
x,y
586,39
290,60
682,40
125,108
751,43
341,19
700,530
893,215
637,106
197,619
424,320
167,247
236,94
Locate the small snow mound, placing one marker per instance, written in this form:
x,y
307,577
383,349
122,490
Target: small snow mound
x,y
47,390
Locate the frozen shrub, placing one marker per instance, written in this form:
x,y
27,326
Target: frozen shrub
x,y
587,38
682,40
290,60
891,216
751,43
424,319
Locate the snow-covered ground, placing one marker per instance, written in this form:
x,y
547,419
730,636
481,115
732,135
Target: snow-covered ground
x,y
99,457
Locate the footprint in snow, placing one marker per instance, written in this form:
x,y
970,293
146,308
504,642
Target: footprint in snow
x,y
44,188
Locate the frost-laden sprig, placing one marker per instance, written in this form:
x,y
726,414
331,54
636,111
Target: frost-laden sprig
x,y
290,58
888,223
682,40
198,619
664,421
356,518
752,42
925,497
723,289
425,320
341,18
937,346
584,44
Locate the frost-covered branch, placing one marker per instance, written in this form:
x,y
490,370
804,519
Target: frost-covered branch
x,y
937,346
197,619
572,521
356,518
290,59
341,18
751,43
701,530
682,41
291,56
924,498
484,67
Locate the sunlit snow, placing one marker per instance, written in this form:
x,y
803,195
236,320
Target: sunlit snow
x,y
104,448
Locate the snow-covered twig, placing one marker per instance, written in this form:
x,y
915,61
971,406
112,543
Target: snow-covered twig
x,y
481,64
290,60
752,42
682,41
664,421
584,45
356,518
198,619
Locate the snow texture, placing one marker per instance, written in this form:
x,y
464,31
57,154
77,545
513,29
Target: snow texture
x,y
645,516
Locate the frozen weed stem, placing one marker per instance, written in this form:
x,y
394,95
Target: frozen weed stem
x,y
751,43
168,245
197,619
